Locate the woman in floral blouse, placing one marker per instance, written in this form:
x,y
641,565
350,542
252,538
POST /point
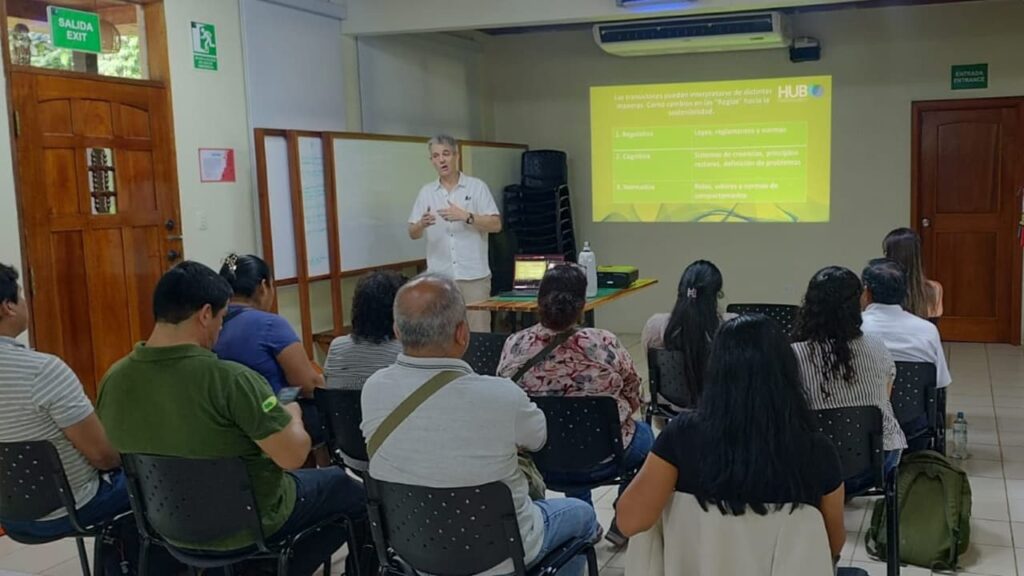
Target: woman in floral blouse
x,y
590,362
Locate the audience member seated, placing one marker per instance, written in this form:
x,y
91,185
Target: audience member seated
x,y
692,324
470,431
172,396
908,337
924,296
842,367
372,344
750,446
42,399
586,362
256,337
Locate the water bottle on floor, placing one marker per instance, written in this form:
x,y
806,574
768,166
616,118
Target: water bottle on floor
x,y
960,437
588,260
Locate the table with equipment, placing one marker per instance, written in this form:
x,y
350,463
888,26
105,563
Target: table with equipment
x,y
521,307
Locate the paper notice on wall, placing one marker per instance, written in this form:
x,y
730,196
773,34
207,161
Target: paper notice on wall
x,y
216,165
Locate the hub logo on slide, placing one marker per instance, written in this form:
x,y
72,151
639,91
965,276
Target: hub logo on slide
x,y
800,91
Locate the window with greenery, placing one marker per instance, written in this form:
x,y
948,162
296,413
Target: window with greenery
x,y
123,51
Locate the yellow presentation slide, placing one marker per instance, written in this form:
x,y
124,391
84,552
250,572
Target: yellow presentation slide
x,y
737,151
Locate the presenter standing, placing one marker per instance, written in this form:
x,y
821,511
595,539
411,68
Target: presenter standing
x,y
456,212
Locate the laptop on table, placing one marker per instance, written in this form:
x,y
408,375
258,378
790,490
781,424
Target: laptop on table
x,y
529,271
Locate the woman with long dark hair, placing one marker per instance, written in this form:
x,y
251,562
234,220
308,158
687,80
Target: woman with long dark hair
x,y
692,324
840,365
751,443
924,296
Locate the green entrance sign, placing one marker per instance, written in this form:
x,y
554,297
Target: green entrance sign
x,y
204,46
74,29
969,76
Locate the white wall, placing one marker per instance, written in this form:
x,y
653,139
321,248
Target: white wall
x,y
881,60
293,67
210,112
10,233
420,85
405,16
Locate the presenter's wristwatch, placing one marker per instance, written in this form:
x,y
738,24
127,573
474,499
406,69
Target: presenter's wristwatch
x,y
470,219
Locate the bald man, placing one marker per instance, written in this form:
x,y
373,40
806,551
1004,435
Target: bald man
x,y
486,421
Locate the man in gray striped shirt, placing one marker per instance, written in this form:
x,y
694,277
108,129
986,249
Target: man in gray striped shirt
x,y
42,399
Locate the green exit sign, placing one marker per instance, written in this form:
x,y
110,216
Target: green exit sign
x,y
75,29
969,76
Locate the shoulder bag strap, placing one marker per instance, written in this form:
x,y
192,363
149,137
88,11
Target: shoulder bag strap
x,y
407,407
557,341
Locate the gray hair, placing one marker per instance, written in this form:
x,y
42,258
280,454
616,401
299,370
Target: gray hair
x,y
434,323
444,140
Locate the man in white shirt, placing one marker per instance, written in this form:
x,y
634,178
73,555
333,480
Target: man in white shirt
x,y
456,212
909,338
470,431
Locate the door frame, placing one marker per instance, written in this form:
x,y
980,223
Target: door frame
x,y
159,67
919,107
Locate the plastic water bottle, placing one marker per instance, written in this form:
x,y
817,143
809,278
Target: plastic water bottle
x,y
960,437
588,261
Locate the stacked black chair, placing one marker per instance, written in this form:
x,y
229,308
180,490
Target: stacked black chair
x,y
913,402
205,500
455,531
856,432
784,314
342,413
538,211
484,352
665,374
32,486
583,432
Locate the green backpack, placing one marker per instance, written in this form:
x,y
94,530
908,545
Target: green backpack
x,y
934,500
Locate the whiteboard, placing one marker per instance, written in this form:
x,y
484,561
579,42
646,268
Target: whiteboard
x,y
497,166
314,205
282,227
377,182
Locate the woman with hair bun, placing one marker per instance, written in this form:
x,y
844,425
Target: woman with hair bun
x,y
256,337
574,361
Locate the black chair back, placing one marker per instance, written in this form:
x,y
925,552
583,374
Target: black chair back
x,y
583,431
32,482
665,372
784,314
856,432
914,393
484,352
342,413
189,500
451,531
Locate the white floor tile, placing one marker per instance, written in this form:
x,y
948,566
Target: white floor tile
x,y
984,468
993,560
991,533
39,558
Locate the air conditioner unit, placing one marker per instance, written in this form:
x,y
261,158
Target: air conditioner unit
x,y
693,34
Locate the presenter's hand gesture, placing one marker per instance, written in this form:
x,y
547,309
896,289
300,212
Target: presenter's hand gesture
x,y
453,213
428,219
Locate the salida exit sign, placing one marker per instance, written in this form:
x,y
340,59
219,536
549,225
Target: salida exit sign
x,y
75,29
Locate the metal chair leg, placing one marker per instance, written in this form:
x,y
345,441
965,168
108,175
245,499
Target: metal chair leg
x,y
144,557
282,563
83,558
592,562
97,553
892,525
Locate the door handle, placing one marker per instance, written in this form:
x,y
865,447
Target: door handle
x,y
926,223
175,238
173,255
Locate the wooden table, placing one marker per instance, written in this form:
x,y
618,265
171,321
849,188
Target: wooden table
x,y
520,306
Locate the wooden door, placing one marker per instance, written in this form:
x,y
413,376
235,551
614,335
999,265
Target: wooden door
x,y
969,162
99,205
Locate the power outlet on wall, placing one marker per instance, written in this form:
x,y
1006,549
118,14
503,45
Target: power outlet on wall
x,y
201,218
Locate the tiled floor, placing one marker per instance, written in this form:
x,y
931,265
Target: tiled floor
x,y
988,385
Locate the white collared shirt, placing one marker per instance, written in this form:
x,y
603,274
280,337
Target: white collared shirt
x,y
456,249
908,338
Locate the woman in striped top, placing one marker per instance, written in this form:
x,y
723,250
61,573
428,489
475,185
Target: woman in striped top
x,y
840,366
372,345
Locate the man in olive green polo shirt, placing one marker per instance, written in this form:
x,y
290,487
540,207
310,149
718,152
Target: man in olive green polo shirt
x,y
172,396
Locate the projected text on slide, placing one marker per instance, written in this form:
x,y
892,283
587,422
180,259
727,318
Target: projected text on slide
x,y
739,151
